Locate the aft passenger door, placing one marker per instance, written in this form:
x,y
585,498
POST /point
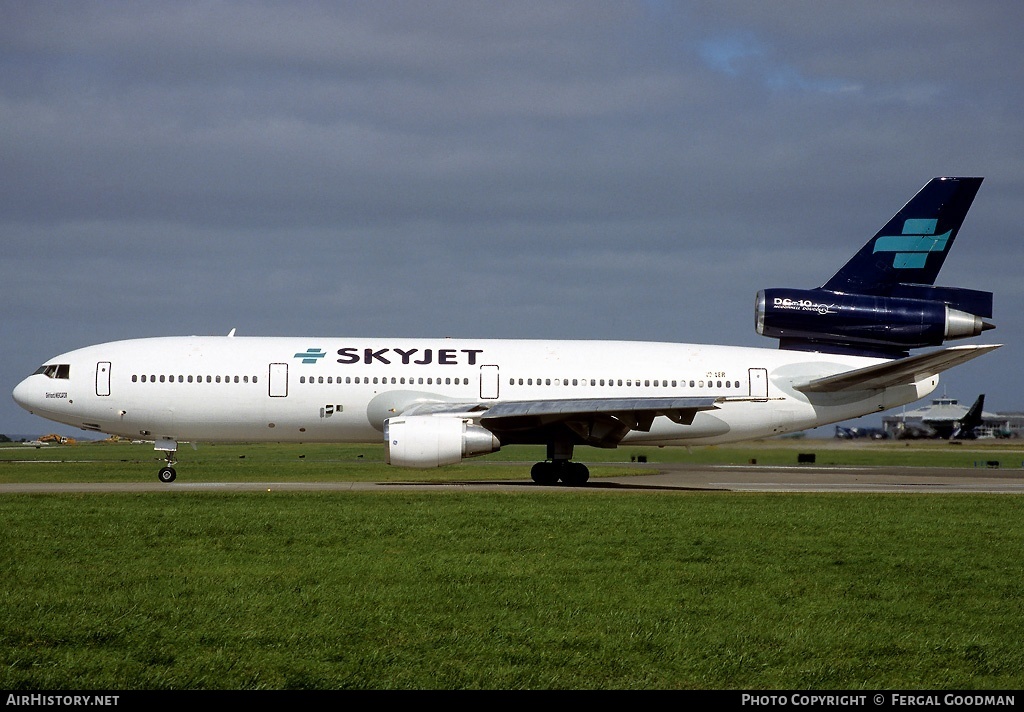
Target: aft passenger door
x,y
758,383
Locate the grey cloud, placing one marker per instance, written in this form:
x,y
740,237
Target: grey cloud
x,y
541,169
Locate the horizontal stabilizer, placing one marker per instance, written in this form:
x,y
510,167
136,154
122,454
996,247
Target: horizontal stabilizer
x,y
899,372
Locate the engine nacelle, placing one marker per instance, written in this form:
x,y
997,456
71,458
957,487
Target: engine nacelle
x,y
865,323
434,440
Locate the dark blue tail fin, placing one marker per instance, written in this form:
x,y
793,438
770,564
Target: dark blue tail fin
x,y
912,246
965,427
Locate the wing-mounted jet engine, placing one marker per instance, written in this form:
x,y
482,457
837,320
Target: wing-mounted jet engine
x,y
883,302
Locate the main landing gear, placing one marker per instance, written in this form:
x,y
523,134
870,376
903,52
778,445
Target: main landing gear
x,y
569,473
558,467
169,448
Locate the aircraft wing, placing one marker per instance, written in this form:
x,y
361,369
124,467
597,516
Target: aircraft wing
x,y
680,410
899,372
601,422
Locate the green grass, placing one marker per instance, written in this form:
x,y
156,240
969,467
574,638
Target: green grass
x,y
548,590
537,589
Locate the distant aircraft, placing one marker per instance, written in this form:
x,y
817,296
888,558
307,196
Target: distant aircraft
x,y
944,419
855,433
951,426
844,351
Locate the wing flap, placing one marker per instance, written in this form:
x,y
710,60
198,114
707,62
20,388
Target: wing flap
x,y
899,372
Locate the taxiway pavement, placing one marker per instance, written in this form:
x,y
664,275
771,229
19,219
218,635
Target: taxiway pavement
x,y
662,478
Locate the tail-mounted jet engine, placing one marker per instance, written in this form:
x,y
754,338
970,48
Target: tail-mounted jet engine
x,y
432,441
819,319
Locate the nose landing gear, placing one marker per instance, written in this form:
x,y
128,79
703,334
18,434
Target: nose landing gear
x,y
169,447
167,474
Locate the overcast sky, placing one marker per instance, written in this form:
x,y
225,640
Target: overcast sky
x,y
584,170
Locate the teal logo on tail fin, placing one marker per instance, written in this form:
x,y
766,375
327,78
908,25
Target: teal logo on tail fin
x,y
913,246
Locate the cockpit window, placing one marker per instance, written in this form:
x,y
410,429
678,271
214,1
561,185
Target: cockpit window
x,y
55,370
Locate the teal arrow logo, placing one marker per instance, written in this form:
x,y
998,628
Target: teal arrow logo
x,y
913,246
311,355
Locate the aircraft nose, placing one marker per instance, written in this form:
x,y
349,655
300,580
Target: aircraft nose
x,y
24,395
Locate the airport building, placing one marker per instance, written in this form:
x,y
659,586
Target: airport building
x,y
918,423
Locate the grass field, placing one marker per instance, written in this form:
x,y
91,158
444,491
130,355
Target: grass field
x,y
548,589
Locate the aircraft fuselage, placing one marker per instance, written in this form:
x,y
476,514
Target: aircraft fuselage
x,y
282,389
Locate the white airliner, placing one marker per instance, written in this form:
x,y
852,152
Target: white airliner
x,y
844,352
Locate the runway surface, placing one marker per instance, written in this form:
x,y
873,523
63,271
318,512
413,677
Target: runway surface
x,y
662,478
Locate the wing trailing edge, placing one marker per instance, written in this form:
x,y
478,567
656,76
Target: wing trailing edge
x,y
681,410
